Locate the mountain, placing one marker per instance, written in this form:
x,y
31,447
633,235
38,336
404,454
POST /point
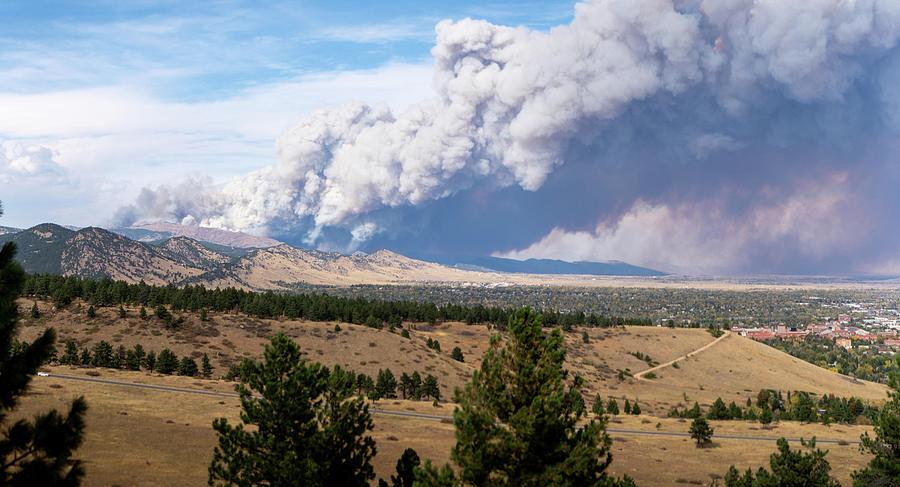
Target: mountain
x,y
8,230
550,266
159,231
96,253
40,248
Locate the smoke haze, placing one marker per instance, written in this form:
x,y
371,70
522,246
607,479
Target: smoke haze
x,y
726,136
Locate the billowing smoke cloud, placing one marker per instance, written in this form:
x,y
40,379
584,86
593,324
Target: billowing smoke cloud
x,y
642,125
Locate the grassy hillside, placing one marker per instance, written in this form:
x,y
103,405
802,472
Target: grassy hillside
x,y
733,369
149,431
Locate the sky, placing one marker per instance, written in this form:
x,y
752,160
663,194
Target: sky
x,y
695,136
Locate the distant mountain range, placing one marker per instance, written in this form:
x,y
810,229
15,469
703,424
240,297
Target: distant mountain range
x,y
163,255
551,266
151,232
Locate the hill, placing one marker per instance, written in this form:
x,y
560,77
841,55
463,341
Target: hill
x,y
151,429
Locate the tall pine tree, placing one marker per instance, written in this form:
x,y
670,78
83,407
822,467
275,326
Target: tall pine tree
x,y
309,429
519,423
37,452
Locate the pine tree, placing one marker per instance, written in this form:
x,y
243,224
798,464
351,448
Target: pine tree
x,y
598,408
35,312
70,356
307,427
187,367
103,355
415,386
122,313
143,313
884,467
386,384
518,423
431,388
135,357
91,312
203,315
701,431
457,354
166,362
766,416
150,361
406,469
205,367
37,452
627,406
612,407
86,358
789,468
636,409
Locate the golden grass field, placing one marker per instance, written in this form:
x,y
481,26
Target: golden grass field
x,y
150,437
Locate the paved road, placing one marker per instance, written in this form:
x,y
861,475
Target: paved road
x,y
434,417
640,375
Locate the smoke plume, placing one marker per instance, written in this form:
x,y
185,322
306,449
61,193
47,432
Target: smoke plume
x,y
712,135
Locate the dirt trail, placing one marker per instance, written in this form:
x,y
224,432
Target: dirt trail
x,y
640,375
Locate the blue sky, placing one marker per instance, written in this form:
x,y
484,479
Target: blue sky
x,y
99,99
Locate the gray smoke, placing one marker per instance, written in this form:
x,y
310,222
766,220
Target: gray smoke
x,y
666,105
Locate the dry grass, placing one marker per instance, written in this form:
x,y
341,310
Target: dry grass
x,y
146,437
140,437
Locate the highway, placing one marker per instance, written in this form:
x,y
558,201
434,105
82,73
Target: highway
x,y
433,417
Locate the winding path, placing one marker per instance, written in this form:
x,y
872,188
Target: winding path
x,y
640,375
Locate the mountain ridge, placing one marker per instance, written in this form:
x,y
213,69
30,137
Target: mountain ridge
x,y
94,252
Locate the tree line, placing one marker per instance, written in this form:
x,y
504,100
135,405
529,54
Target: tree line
x,y
135,358
771,405
62,290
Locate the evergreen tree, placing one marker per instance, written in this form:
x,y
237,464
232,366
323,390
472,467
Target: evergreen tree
x,y
35,312
415,386
406,469
122,313
404,384
135,357
166,362
627,406
430,388
701,431
457,354
308,429
37,452
150,361
884,467
789,468
718,410
70,356
766,416
205,367
585,338
86,358
143,313
598,408
91,312
120,358
404,333
636,409
203,315
612,407
518,423
386,384
103,355
187,366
